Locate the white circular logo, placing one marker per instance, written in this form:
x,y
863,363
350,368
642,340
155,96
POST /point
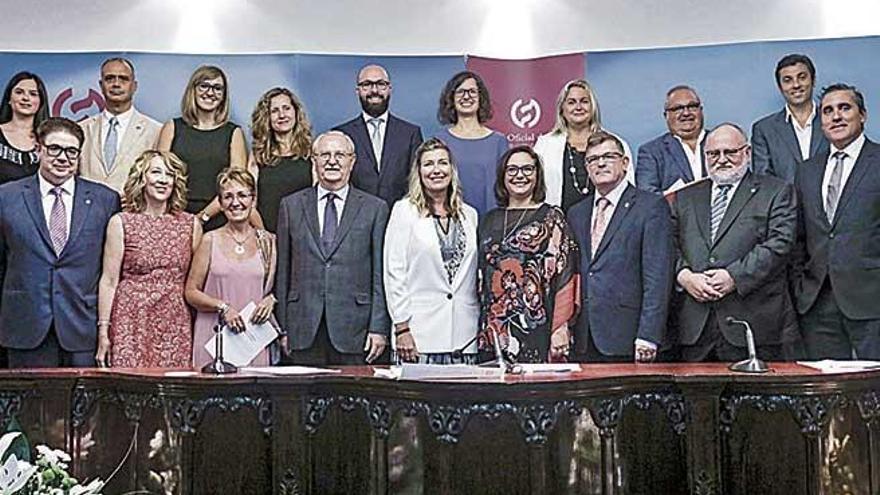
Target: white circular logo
x,y
525,115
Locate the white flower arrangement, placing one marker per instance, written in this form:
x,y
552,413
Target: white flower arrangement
x,y
47,476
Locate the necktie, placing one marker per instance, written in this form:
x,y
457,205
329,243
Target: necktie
x,y
330,221
599,224
719,206
833,195
376,139
110,145
58,221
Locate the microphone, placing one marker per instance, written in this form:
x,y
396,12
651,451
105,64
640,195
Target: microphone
x,y
459,352
752,364
218,366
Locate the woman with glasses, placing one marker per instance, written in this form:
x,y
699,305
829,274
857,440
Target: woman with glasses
x,y
143,320
282,140
232,267
24,106
562,149
465,107
205,139
430,268
530,287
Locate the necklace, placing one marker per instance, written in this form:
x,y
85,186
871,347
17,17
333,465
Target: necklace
x,y
438,219
239,245
516,226
573,171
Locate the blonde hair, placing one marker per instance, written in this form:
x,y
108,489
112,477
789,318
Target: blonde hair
x,y
238,176
133,200
188,105
561,126
416,194
266,147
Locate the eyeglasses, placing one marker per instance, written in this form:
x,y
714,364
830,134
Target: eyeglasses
x,y
338,156
205,87
381,85
690,107
240,196
514,170
611,156
469,92
55,150
731,153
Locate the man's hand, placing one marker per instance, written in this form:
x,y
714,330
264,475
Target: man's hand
x,y
721,280
698,286
374,346
644,353
560,340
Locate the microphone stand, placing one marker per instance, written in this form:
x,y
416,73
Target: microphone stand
x,y
218,366
503,364
752,364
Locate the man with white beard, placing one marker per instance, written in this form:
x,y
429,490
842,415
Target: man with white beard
x,y
733,234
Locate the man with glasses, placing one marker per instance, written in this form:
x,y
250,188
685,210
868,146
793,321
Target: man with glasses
x,y
626,260
331,299
116,137
52,227
785,139
385,144
675,158
733,234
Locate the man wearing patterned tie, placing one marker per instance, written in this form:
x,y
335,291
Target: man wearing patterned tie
x,y
331,298
116,137
733,234
385,144
626,260
837,267
52,228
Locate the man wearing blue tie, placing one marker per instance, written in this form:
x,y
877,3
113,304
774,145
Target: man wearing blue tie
x,y
52,227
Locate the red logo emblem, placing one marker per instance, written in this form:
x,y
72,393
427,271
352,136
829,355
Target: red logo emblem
x,y
77,110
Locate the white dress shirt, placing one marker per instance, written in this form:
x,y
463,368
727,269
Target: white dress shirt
x,y
613,198
123,120
852,151
695,156
48,199
804,134
383,126
341,196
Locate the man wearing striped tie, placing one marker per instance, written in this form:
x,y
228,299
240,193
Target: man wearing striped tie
x,y
734,234
837,270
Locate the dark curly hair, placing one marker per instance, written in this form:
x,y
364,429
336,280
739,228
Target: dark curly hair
x,y
446,111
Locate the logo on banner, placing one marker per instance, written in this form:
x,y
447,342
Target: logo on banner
x,y
77,109
525,115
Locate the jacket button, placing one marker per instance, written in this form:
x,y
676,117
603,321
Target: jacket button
x,y
590,274
448,296
711,259
831,235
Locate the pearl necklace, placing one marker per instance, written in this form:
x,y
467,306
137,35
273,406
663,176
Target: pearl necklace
x,y
573,171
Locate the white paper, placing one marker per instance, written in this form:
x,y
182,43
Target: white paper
x,y
675,187
448,372
289,370
834,366
550,367
241,348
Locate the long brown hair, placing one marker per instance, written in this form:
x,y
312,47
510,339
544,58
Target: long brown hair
x,y
266,146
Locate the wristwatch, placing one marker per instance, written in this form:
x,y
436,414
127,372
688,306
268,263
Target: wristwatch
x,y
222,308
204,217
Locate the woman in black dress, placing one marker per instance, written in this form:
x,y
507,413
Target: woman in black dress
x,y
282,140
24,106
205,139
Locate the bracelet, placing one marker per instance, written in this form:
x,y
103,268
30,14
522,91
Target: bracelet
x,y
398,333
223,308
103,323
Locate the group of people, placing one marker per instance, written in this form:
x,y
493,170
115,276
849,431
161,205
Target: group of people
x,y
123,241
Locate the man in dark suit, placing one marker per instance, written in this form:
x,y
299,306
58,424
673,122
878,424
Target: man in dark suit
x,y
331,300
52,227
625,239
785,139
675,158
385,144
836,271
734,234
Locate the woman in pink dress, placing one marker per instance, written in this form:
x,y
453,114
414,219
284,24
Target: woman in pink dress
x,y
232,267
143,320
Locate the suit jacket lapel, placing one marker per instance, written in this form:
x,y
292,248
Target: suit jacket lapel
x,y
746,190
361,138
817,138
82,203
349,213
858,173
673,147
309,207
786,132
130,136
702,205
390,132
627,199
97,147
34,204
587,226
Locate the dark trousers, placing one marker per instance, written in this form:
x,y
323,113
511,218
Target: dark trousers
x,y
713,347
591,354
50,354
828,334
322,352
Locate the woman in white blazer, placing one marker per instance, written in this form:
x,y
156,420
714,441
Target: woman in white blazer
x,y
430,264
562,149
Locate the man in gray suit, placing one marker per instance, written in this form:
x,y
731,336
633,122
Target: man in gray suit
x,y
734,234
116,137
331,299
785,139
